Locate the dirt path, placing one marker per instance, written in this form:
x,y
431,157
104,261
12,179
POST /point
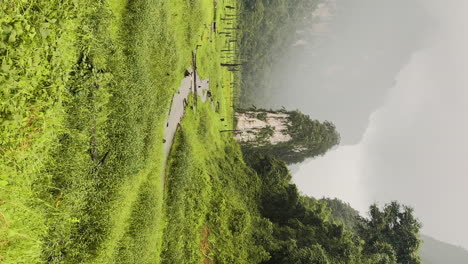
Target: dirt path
x,y
190,85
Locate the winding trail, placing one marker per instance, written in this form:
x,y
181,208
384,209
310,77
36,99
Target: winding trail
x,y
191,85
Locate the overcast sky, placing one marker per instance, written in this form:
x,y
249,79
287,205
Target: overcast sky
x,y
410,124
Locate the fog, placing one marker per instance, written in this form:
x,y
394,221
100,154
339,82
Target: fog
x,y
349,61
392,76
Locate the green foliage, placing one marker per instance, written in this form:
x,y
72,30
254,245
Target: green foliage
x,y
84,93
85,88
210,194
344,213
314,254
302,230
262,116
264,134
268,28
306,230
311,134
383,254
394,227
310,138
210,198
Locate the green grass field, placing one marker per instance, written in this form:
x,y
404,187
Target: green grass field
x,y
210,210
85,90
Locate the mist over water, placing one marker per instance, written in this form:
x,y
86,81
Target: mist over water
x,y
392,76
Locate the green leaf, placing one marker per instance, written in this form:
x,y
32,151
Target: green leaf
x,y
6,28
5,67
44,30
12,37
3,183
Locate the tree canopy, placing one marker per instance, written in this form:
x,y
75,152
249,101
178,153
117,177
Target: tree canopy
x,y
303,229
393,227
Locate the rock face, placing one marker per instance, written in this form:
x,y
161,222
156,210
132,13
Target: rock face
x,y
260,128
288,135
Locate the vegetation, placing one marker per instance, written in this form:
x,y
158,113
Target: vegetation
x,y
210,206
392,231
304,230
309,138
268,28
84,93
220,211
391,234
344,213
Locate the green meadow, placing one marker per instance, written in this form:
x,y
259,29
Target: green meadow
x,y
210,196
86,88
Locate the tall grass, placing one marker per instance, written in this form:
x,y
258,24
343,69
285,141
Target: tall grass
x,y
210,209
85,90
210,197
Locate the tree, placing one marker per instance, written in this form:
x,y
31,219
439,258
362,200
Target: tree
x,y
306,138
344,213
396,226
302,229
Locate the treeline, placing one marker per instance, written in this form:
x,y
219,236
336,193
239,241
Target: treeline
x,y
268,27
300,229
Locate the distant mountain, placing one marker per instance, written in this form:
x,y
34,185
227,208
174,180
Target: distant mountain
x,y
433,251
437,252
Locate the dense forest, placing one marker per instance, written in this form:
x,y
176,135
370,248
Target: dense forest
x,y
302,229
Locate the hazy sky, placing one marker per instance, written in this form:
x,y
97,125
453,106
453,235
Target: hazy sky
x,y
412,125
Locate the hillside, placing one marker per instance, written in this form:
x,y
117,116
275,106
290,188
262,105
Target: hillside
x,y
85,92
434,251
90,174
